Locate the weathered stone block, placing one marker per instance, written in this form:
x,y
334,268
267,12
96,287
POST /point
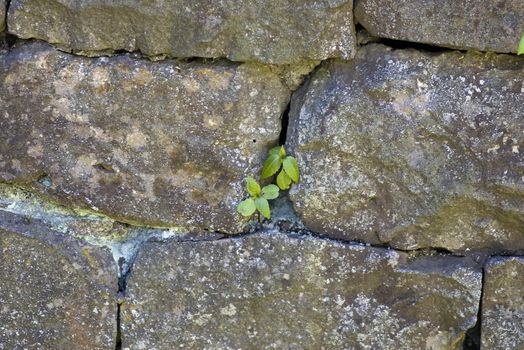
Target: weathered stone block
x,y
273,291
163,144
414,149
503,304
2,15
484,25
284,32
55,292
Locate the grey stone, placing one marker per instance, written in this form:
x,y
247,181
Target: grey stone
x,y
273,291
161,144
485,25
413,149
503,304
56,292
282,33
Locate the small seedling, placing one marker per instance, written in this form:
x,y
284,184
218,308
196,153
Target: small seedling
x,y
520,50
258,199
277,159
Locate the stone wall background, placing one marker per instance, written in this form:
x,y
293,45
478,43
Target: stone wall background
x,y
127,129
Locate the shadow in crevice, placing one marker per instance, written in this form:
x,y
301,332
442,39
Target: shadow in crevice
x,y
473,335
285,123
118,340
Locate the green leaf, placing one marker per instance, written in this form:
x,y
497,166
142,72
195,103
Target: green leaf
x,y
247,207
274,150
282,152
263,207
271,165
270,192
520,50
253,188
283,181
291,168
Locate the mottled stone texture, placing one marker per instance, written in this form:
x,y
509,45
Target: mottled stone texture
x,y
165,143
486,25
2,14
503,304
272,291
413,149
55,292
280,31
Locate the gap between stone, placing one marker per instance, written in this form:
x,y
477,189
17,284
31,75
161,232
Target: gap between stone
x,y
473,335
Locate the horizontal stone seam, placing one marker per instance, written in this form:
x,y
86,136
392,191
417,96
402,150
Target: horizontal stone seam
x,y
391,43
96,54
136,54
297,230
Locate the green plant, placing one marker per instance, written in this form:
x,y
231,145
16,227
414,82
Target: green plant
x,y
258,199
277,159
520,50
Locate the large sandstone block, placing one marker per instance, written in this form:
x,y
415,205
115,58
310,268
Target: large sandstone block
x,y
485,25
413,149
279,32
273,291
503,304
55,292
163,144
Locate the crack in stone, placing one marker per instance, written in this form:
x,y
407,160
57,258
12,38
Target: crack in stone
x,y
473,335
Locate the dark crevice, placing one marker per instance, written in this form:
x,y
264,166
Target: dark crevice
x,y
10,40
285,123
364,37
297,230
7,5
118,340
124,268
104,167
473,335
402,44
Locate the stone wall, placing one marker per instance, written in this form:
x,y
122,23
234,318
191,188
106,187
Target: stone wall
x,y
127,129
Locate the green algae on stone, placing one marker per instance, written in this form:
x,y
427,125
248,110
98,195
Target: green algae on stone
x,y
279,32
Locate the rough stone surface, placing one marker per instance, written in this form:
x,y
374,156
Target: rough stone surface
x,y
2,14
285,32
166,143
272,291
55,292
486,25
414,149
503,304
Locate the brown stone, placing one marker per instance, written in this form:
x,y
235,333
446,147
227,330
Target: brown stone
x,y
503,304
163,144
274,291
242,30
413,149
486,25
56,292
